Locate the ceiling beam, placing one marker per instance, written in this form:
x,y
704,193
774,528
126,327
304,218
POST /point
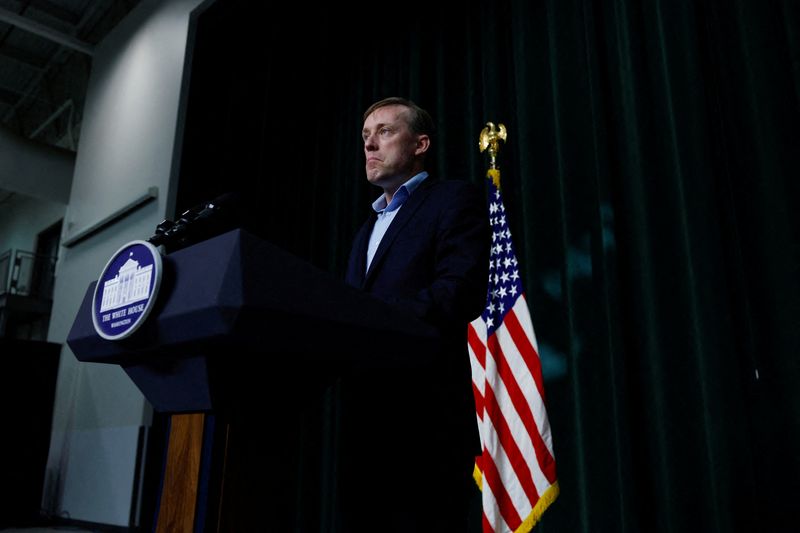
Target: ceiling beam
x,y
44,31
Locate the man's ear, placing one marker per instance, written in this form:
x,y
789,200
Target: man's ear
x,y
423,143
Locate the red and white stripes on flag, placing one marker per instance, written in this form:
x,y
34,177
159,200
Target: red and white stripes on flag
x,y
516,470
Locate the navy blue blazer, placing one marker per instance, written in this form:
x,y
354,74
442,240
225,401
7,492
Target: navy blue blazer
x,y
433,262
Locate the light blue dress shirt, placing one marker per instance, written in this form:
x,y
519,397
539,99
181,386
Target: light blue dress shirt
x,y
386,213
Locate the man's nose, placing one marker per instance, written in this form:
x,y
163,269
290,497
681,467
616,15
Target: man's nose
x,y
369,143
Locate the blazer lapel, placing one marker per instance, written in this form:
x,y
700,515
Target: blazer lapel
x,y
358,257
402,218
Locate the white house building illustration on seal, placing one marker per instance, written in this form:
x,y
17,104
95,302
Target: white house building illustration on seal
x,y
131,284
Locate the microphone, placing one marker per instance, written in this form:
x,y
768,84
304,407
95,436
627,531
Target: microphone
x,y
199,222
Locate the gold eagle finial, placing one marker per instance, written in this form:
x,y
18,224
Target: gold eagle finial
x,y
490,138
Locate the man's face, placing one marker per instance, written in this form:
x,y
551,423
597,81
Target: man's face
x,y
391,148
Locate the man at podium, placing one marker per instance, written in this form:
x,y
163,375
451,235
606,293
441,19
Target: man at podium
x,y
409,439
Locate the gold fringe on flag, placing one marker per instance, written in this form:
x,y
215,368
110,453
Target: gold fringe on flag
x,y
541,506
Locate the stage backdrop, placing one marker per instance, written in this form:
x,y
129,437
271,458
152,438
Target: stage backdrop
x,y
650,179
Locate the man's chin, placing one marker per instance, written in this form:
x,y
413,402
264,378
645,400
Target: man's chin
x,y
374,177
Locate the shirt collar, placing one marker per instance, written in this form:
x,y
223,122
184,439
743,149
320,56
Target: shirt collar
x,y
402,194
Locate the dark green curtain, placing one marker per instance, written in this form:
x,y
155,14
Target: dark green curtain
x,y
650,178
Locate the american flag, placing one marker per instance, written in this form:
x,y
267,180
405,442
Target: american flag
x,y
516,470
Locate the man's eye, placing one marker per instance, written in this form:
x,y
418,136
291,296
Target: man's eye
x,y
385,131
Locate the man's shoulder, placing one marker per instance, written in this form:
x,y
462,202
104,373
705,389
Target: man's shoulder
x,y
452,186
454,197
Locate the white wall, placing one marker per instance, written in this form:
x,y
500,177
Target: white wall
x,y
126,146
34,169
